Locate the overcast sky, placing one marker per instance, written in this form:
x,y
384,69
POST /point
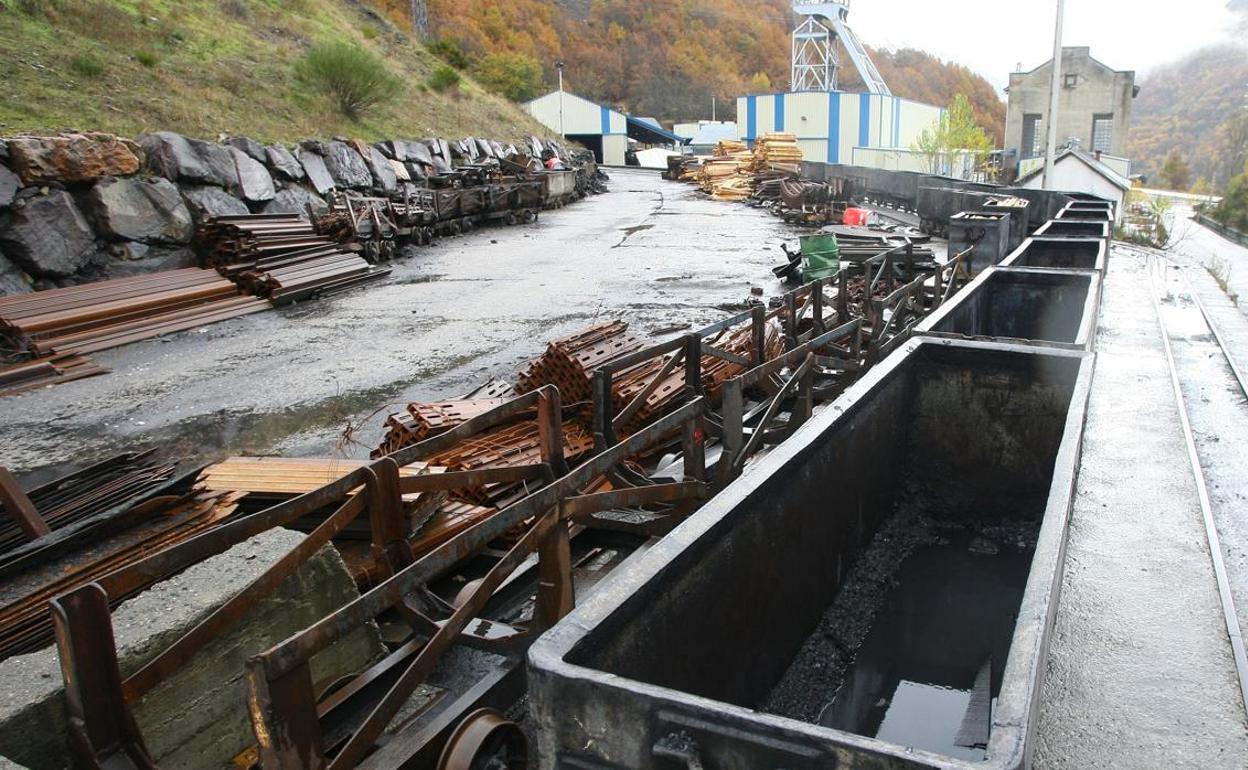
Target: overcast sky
x,y
993,37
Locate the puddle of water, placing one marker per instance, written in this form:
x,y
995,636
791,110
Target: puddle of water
x,y
929,669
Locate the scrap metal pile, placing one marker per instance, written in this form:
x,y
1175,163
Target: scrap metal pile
x,y
501,506
284,258
86,524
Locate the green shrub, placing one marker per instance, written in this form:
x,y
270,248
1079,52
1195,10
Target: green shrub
x,y
353,78
370,32
87,66
146,58
444,78
449,52
514,75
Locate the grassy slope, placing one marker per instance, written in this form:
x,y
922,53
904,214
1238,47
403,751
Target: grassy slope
x,y
220,66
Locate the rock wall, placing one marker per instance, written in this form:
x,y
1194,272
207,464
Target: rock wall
x,y
78,207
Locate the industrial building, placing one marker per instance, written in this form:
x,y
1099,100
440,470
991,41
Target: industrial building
x,y
601,129
1094,109
873,128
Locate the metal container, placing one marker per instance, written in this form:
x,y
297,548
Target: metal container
x,y
1097,214
558,186
987,232
1031,305
1060,253
1074,228
663,667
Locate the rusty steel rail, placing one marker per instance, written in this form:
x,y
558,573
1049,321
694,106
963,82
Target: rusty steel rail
x,y
284,713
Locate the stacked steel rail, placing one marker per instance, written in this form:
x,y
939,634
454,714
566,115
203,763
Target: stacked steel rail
x,y
281,257
97,316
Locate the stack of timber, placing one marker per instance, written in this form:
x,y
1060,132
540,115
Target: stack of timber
x,y
281,257
726,175
97,316
258,483
776,152
733,171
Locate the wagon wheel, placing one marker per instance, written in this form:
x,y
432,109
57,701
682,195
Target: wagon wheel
x,y
510,219
485,740
455,227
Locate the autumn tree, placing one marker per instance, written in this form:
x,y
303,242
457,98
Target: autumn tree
x,y
1232,211
513,75
1175,174
954,133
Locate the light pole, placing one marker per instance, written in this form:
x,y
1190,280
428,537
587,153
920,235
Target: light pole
x,y
559,67
1050,152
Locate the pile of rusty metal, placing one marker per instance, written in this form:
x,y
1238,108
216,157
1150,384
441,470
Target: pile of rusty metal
x,y
802,201
568,362
51,325
76,498
281,257
49,370
77,528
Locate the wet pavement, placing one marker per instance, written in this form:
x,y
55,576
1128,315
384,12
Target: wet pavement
x,y
320,377
1140,670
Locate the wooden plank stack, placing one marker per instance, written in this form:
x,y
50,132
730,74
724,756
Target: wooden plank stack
x,y
776,152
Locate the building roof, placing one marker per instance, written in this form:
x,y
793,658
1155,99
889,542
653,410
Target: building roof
x,y
648,131
708,134
1118,180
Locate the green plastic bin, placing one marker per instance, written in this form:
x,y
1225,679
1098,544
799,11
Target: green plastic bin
x,y
821,256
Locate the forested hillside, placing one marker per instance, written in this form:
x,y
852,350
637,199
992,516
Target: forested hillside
x,y
1198,107
205,67
668,59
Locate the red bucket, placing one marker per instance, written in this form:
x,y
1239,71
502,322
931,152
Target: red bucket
x,y
856,217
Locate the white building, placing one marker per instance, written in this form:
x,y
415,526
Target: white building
x,y
874,130
1077,171
596,126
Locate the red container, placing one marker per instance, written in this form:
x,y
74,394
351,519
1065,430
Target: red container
x,y
857,217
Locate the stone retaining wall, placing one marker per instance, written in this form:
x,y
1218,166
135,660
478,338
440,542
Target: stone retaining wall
x,y
78,207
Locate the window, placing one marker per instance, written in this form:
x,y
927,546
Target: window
x,y
1102,132
1031,136
1071,80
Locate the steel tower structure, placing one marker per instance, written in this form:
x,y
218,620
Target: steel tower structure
x,y
815,60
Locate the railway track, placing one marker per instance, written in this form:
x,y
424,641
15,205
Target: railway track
x,y
1212,395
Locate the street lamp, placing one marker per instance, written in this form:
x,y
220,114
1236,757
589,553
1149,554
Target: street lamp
x,y
559,67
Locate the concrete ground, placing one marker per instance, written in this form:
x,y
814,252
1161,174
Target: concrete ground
x,y
1140,671
291,381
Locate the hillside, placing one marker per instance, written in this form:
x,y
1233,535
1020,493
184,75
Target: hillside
x,y
1192,106
668,59
204,67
